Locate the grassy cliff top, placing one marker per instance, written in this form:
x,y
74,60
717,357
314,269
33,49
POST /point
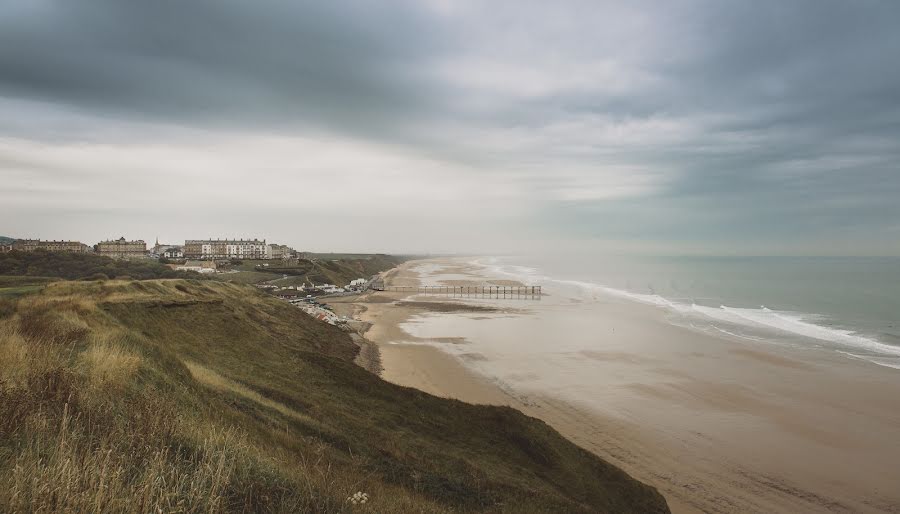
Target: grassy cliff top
x,y
189,396
339,271
76,266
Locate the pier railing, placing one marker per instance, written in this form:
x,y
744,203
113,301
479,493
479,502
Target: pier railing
x,y
463,291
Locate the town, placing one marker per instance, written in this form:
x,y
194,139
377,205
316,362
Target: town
x,y
299,278
199,249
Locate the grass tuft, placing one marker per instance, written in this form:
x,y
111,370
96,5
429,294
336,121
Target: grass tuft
x,y
108,365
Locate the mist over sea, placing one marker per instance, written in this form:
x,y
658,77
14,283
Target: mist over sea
x,y
847,304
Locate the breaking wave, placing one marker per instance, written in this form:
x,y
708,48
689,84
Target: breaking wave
x,y
758,320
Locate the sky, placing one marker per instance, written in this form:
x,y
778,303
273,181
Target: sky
x,y
661,127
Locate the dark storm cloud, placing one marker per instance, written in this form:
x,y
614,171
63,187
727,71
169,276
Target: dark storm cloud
x,y
225,62
687,120
799,109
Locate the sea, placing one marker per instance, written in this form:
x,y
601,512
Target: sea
x,y
849,305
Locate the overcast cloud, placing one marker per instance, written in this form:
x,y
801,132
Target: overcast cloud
x,y
768,127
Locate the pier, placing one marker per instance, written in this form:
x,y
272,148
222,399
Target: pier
x,y
466,291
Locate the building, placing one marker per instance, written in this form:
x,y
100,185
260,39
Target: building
x,y
30,245
122,249
172,252
282,252
210,249
167,251
198,266
287,294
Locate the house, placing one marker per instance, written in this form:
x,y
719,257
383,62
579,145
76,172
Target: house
x,y
173,252
198,266
167,251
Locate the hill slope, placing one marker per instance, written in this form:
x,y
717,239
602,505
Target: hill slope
x,y
208,396
75,266
338,271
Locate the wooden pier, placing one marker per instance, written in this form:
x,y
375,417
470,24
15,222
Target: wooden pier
x,y
467,291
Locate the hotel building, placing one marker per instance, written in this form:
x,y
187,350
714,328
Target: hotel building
x,y
207,249
30,245
122,249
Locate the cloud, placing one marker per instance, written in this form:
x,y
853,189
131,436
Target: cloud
x,y
694,121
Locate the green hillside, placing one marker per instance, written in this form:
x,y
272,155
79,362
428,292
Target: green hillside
x,y
338,271
76,266
190,396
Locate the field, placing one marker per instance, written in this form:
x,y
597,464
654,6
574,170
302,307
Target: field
x,y
205,396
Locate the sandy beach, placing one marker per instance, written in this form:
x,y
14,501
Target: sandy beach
x,y
716,424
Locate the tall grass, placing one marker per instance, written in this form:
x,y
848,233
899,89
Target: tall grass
x,y
187,396
79,432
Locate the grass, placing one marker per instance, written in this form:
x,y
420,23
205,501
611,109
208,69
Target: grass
x,y
344,256
248,277
77,266
12,287
204,396
14,292
338,271
18,281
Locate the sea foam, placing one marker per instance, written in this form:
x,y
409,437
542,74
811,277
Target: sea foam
x,y
784,322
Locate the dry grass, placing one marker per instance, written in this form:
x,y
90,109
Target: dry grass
x,y
108,365
68,447
187,396
77,474
216,381
79,433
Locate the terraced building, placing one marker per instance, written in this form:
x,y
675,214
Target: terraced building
x,y
210,249
30,245
122,249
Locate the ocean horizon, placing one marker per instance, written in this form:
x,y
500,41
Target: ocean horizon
x,y
845,304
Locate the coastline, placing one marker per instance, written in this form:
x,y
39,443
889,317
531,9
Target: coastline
x,y
700,464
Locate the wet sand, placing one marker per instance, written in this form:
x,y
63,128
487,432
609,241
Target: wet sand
x,y
717,425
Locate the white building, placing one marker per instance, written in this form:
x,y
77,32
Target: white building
x,y
173,252
282,252
226,249
167,251
198,266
